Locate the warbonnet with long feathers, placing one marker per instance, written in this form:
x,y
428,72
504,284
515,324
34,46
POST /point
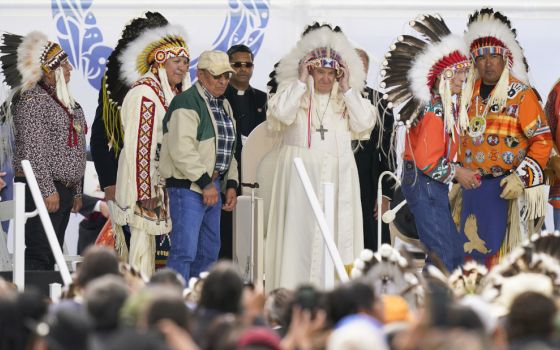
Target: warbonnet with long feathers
x,y
135,59
150,51
29,59
412,67
24,61
113,88
533,267
491,32
128,62
488,28
318,37
389,272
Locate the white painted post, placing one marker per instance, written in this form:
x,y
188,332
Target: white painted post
x,y
46,221
321,221
379,201
328,203
20,217
55,292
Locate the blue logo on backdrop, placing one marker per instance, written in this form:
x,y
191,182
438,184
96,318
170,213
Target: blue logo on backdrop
x,y
244,24
82,39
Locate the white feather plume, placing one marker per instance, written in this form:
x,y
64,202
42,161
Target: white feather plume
x,y
486,25
129,58
287,70
29,58
418,74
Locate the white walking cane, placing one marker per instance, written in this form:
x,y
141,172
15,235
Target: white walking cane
x,y
252,186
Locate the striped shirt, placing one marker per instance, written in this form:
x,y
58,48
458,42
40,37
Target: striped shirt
x,y
226,133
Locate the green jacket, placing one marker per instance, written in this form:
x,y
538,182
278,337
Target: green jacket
x,y
188,150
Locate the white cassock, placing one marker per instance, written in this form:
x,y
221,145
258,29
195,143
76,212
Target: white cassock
x,y
294,243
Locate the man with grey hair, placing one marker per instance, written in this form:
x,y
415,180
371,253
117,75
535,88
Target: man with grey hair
x,y
197,161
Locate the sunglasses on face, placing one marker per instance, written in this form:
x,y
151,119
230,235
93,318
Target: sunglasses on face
x,y
242,64
226,75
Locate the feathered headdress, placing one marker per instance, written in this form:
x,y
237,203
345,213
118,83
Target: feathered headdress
x,y
412,67
491,32
146,43
327,47
390,273
24,60
533,267
467,279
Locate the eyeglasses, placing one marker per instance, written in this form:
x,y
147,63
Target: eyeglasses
x,y
242,64
226,75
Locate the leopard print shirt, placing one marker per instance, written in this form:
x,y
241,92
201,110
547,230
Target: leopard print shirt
x,y
43,136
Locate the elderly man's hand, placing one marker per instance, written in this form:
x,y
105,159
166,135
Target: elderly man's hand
x,y
231,199
303,69
2,182
210,195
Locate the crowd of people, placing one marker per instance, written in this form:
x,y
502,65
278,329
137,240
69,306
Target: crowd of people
x,y
168,155
387,304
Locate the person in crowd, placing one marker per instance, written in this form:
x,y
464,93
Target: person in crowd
x,y
436,72
261,338
63,329
372,159
277,310
98,261
103,300
197,159
318,109
155,65
508,142
221,295
49,127
168,277
167,304
353,298
249,110
530,323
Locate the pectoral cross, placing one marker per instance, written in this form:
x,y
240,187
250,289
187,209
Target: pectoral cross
x,y
322,130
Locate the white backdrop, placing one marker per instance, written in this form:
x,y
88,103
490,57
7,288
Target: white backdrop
x,y
270,27
370,24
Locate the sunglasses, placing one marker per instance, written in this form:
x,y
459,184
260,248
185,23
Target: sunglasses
x,y
242,64
226,75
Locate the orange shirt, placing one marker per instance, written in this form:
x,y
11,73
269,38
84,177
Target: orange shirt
x,y
430,147
516,137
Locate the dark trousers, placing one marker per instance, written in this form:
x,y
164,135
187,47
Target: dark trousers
x,y
38,253
226,235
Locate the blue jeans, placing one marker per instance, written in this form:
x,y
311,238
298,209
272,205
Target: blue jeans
x,y
7,193
195,237
429,202
556,216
